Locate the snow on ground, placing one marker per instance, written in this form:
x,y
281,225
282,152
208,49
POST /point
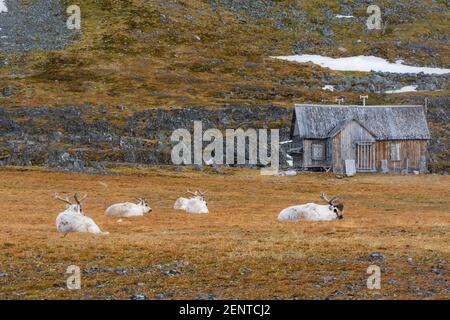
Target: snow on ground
x,y
362,63
404,89
328,87
340,16
3,7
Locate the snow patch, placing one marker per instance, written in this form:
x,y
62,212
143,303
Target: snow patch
x,y
404,89
361,63
328,87
340,16
3,7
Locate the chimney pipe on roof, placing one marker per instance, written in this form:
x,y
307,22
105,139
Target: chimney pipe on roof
x,y
364,98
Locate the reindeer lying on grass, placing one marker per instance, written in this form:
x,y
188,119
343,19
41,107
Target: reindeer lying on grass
x,y
73,218
314,212
195,204
129,209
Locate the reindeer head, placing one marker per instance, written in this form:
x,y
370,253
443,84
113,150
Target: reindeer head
x,y
77,207
145,206
336,206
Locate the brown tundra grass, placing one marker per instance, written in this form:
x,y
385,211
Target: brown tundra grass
x,y
239,250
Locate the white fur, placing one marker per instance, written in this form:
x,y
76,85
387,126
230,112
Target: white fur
x,y
180,204
73,220
194,205
309,212
197,205
128,209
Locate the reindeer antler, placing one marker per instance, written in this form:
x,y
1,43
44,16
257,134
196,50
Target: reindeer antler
x,y
57,197
325,198
193,193
79,202
202,193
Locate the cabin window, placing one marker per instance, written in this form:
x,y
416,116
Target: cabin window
x,y
395,151
318,151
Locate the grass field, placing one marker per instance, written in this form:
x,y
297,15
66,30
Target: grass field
x,y
239,250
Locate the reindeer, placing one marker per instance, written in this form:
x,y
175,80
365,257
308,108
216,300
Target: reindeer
x,y
129,209
315,212
73,218
195,204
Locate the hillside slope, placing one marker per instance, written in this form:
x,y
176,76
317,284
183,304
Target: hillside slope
x,y
133,55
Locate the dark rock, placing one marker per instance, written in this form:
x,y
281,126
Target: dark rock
x,y
165,295
218,170
170,273
207,296
8,91
377,256
138,297
36,25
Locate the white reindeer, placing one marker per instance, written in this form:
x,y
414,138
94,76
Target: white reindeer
x,y
129,209
195,204
314,212
73,218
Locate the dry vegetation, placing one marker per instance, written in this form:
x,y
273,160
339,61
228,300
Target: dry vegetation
x,y
176,53
239,250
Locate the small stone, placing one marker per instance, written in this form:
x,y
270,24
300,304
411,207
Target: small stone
x,y
436,270
208,296
170,273
410,260
377,255
245,271
392,282
121,272
164,295
196,167
218,170
138,297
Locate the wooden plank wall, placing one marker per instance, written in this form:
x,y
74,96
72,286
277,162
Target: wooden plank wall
x,y
412,150
338,162
409,149
308,162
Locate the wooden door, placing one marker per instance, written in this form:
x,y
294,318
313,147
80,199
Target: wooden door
x,y
365,156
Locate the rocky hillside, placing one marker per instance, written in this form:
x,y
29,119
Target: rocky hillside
x,y
132,56
77,139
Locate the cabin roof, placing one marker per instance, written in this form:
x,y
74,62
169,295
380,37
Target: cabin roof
x,y
339,127
407,122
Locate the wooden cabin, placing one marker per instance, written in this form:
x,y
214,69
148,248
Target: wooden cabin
x,y
371,138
